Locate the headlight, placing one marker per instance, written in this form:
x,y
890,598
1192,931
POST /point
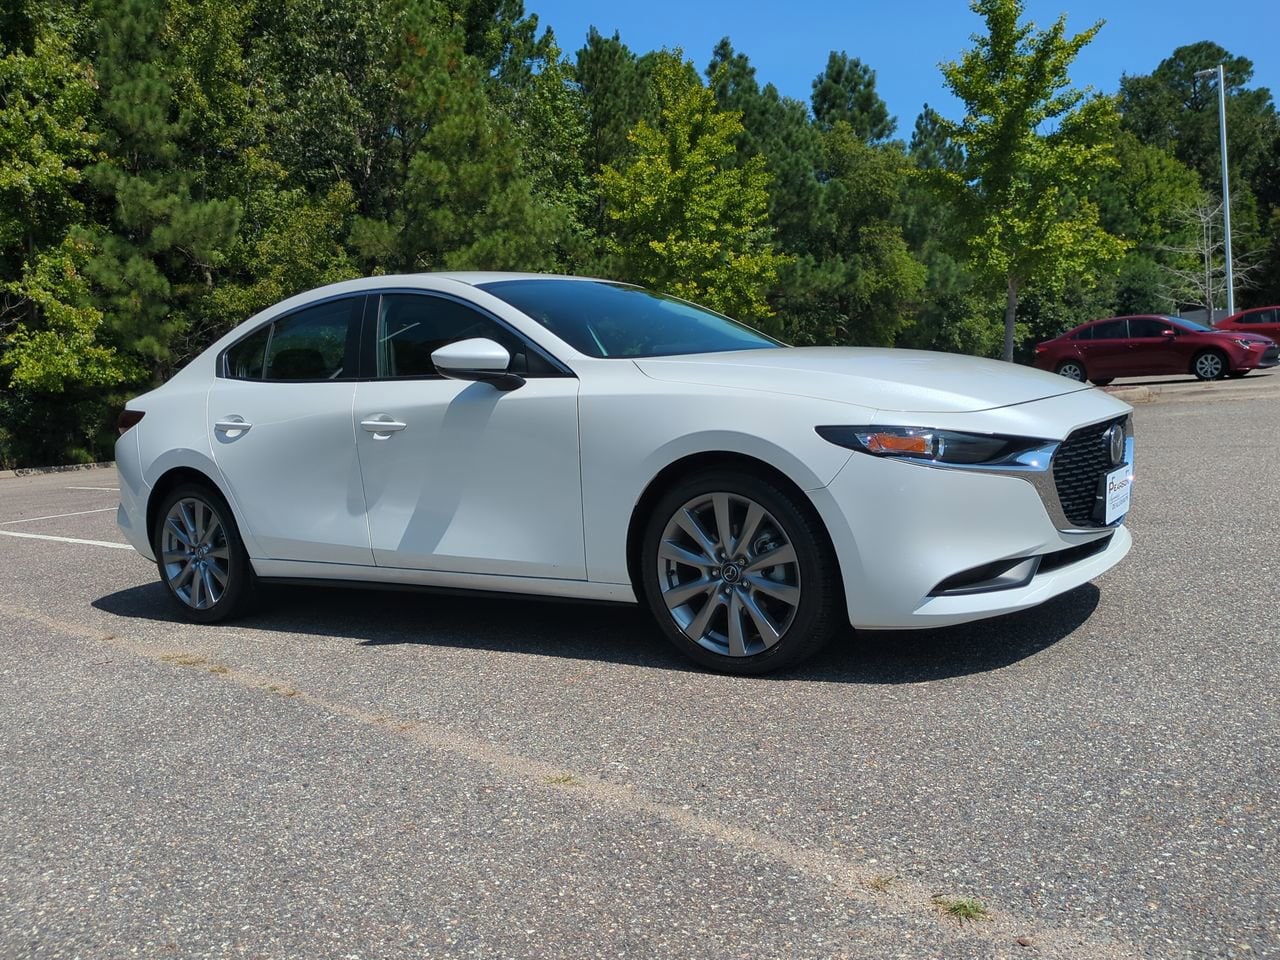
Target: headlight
x,y
949,447
1247,344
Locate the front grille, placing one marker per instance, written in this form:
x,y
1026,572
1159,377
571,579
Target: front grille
x,y
1270,356
1080,463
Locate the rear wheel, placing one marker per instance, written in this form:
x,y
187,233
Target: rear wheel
x,y
739,574
1237,374
201,559
1103,382
1209,365
1071,369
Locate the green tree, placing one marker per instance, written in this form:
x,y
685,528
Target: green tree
x,y
952,312
780,130
164,238
615,85
1023,193
855,281
1172,109
685,217
468,201
846,90
1143,197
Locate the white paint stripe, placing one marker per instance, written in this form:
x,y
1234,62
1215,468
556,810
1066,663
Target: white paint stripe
x,y
57,516
42,536
112,489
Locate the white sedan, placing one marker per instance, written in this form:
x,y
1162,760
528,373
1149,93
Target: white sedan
x,y
569,437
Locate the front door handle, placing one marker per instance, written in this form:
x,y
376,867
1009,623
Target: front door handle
x,y
382,426
233,424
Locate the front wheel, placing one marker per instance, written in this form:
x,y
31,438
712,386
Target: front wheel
x,y
201,557
1209,365
740,575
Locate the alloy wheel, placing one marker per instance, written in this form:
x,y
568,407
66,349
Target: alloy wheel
x,y
1072,371
728,574
1209,366
194,553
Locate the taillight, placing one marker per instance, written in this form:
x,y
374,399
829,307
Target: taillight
x,y
129,418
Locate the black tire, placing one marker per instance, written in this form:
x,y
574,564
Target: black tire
x,y
1103,382
751,592
1070,369
1237,374
1209,365
237,592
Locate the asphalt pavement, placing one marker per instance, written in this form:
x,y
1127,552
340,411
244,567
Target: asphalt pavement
x,y
369,774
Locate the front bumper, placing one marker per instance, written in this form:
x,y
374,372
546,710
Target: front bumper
x,y
926,546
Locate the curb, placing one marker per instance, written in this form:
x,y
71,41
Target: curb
x,y
1132,394
65,468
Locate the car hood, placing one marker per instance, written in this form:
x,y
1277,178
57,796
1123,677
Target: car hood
x,y
913,381
1237,334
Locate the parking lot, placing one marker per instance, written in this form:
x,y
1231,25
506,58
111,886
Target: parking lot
x,y
371,774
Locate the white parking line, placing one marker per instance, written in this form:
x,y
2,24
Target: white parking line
x,y
42,536
56,516
112,489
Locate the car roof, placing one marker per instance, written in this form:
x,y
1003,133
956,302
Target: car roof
x,y
477,277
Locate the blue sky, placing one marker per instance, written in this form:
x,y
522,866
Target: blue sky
x,y
905,41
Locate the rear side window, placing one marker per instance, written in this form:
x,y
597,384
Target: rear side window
x,y
1110,330
1085,334
246,358
412,326
315,343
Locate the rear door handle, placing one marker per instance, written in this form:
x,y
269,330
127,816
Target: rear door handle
x,y
382,426
232,424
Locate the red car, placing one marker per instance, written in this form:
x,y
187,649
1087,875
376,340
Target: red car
x,y
1150,345
1262,320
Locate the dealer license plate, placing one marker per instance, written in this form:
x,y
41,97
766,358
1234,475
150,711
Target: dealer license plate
x,y
1117,490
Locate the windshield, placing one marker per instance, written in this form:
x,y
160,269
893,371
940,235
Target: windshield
x,y
604,319
1189,324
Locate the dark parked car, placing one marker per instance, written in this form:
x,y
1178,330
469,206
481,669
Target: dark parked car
x,y
1261,320
1151,345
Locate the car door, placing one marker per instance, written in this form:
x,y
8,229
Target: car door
x,y
1152,351
283,437
458,475
1106,352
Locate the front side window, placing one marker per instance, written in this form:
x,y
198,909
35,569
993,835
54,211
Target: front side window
x,y
1147,327
413,326
602,319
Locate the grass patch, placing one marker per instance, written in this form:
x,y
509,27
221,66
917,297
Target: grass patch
x,y
184,660
882,883
283,691
961,909
562,780
219,668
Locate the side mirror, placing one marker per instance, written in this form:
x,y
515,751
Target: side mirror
x,y
1168,332
477,359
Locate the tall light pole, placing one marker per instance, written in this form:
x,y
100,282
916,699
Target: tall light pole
x,y
1226,187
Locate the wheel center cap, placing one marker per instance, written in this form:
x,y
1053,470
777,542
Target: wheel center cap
x,y
730,573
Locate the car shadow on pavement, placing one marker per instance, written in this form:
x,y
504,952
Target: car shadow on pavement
x,y
623,634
